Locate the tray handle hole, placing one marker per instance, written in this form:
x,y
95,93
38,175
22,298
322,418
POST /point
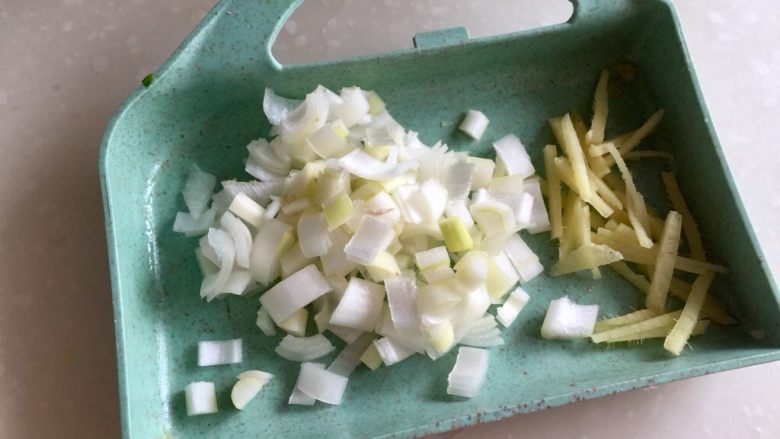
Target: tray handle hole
x,y
326,30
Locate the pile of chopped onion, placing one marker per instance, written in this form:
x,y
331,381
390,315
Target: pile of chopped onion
x,y
601,219
396,247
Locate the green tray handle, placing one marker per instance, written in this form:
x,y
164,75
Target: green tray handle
x,y
261,20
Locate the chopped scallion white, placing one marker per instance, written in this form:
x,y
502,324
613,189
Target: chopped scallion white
x,y
201,398
294,292
474,124
213,353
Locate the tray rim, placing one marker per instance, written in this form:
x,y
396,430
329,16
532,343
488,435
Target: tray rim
x,y
466,420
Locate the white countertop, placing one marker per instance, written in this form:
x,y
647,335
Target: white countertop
x,y
66,66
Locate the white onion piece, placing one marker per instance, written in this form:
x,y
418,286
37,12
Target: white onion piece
x,y
395,247
247,209
529,269
372,236
360,307
437,274
276,108
469,372
208,251
220,201
402,300
313,235
566,320
403,196
459,209
409,338
384,266
481,195
191,226
259,191
331,185
331,97
474,304
335,262
414,243
224,248
439,298
349,357
515,302
492,217
502,276
273,207
264,163
296,206
432,258
253,168
293,260
391,352
265,323
482,332
483,172
239,282
517,250
295,324
385,120
539,219
494,244
353,222
523,258
382,206
430,200
241,237
326,143
297,397
474,124
363,165
431,160
348,335
472,268
511,155
284,151
263,377
311,114
384,130
480,326
354,106
522,205
506,185
294,293
304,348
296,184
321,384
197,190
201,398
247,387
458,179
439,333
213,353
272,238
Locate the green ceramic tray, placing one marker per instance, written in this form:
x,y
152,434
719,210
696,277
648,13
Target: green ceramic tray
x,y
204,107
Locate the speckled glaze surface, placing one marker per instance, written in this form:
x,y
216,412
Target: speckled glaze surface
x,y
204,107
